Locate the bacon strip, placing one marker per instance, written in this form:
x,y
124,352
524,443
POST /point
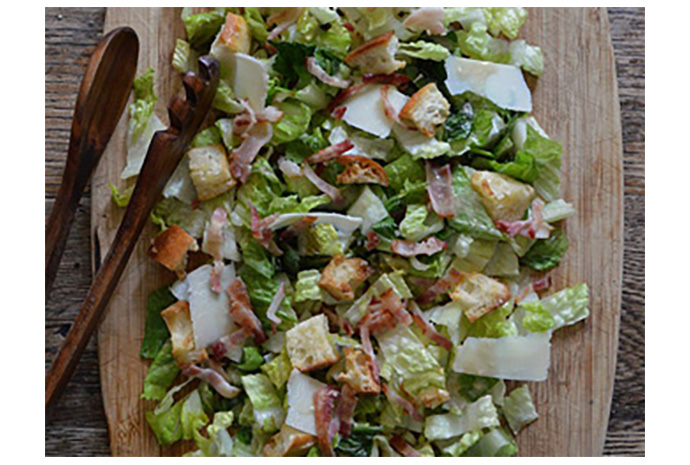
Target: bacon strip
x,y
214,245
337,321
451,278
326,427
428,246
219,349
283,20
533,227
319,73
542,283
373,241
345,412
441,190
320,184
242,157
427,328
391,113
331,152
429,19
390,302
407,406
403,447
241,311
365,337
393,79
262,232
213,378
275,305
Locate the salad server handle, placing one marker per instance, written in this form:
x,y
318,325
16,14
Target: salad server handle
x,y
102,97
164,154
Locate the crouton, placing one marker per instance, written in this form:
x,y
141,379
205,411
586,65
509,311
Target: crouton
x,y
308,345
210,171
426,109
170,248
233,38
179,323
432,397
503,197
358,372
361,170
478,294
289,442
342,275
376,56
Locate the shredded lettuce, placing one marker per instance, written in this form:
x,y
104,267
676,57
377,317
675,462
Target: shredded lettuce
x,y
121,197
424,50
155,330
546,254
294,123
161,374
495,443
478,415
307,286
278,370
267,407
203,27
470,216
519,409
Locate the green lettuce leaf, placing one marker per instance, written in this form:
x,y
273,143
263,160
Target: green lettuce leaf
x,y
504,262
251,359
506,20
336,39
225,101
173,211
294,123
256,23
495,443
476,416
547,253
142,106
478,44
458,126
217,442
536,318
290,63
456,448
203,27
307,286
360,441
267,406
278,370
528,57
184,58
547,156
523,167
161,374
192,416
404,170
558,210
165,420
155,330
206,137
569,305
321,239
495,323
470,217
519,409
260,288
424,50
121,197
261,188
257,257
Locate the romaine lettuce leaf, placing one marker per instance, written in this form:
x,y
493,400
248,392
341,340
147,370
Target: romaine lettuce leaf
x,y
192,415
161,374
278,370
294,123
155,330
519,409
470,216
203,27
455,448
506,20
476,416
547,253
268,410
557,210
424,50
307,286
251,359
495,443
217,442
402,170
184,58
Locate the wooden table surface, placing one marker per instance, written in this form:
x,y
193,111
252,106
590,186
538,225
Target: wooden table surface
x,y
79,427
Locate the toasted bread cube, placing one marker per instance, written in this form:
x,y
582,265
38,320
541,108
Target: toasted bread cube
x,y
233,38
170,248
427,109
342,275
432,397
289,442
503,197
179,322
478,294
210,171
308,346
376,56
359,374
361,170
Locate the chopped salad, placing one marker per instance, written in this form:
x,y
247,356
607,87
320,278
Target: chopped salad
x,y
362,236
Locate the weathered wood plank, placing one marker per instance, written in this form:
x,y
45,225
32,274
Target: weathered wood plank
x,y
81,428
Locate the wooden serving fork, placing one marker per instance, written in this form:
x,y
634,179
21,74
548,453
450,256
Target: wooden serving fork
x,y
163,156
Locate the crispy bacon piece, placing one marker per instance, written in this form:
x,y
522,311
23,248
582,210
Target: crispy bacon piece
x,y
262,232
331,152
403,447
446,283
275,305
342,96
345,411
213,378
214,245
441,190
365,337
373,241
428,246
542,283
225,344
338,113
533,227
360,169
320,184
429,19
319,73
390,112
394,79
337,321
326,423
282,20
427,328
242,157
407,406
246,120
241,311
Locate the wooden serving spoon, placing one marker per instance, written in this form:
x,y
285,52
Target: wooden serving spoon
x,y
163,156
102,97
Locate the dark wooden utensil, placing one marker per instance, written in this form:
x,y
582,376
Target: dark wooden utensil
x,y
163,156
102,98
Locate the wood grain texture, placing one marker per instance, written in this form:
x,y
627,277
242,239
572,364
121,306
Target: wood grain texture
x,y
81,430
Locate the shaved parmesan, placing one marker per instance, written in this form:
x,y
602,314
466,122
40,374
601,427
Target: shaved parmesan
x,y
180,184
210,311
504,85
365,110
137,149
523,358
300,393
249,80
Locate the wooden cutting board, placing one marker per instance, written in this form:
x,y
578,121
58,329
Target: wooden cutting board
x,y
576,101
